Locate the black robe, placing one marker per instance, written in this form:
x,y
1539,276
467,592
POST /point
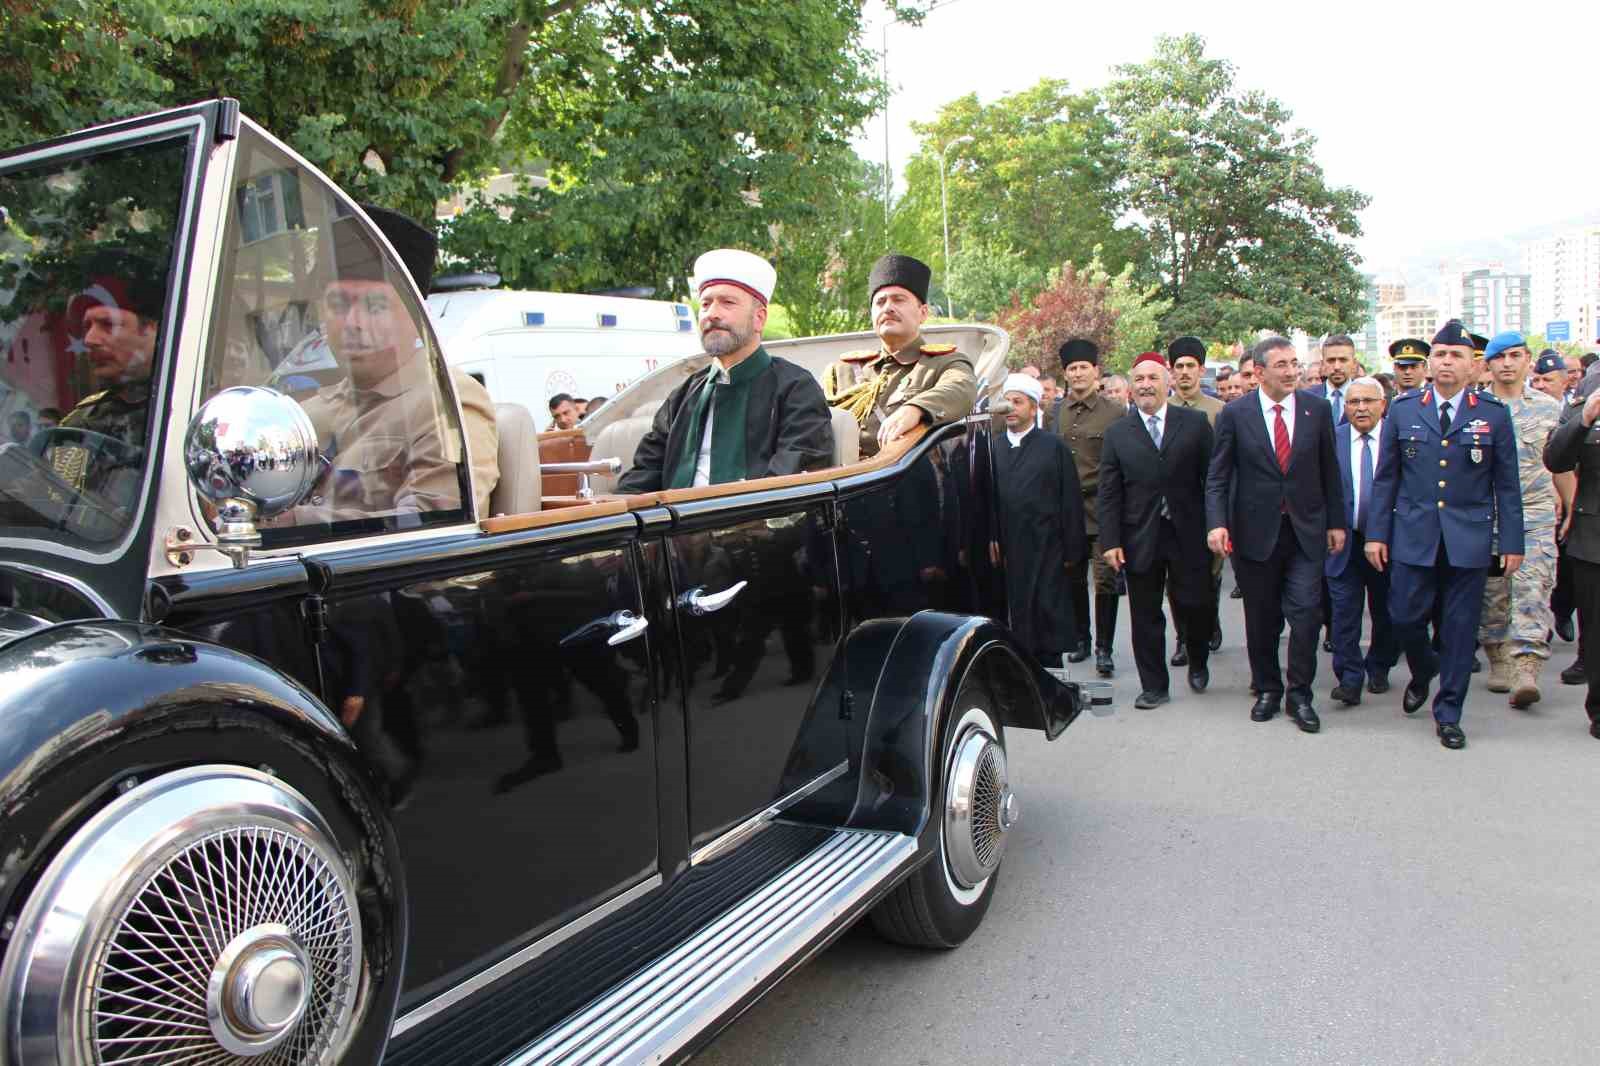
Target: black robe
x,y
788,429
1041,531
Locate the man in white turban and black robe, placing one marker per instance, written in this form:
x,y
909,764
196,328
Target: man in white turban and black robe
x,y
1041,524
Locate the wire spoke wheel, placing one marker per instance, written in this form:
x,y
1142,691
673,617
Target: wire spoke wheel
x,y
203,918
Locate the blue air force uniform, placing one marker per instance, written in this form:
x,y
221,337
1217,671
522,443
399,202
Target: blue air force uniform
x,y
1437,499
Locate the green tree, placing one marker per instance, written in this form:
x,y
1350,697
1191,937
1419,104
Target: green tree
x,y
984,278
1039,176
1072,304
1243,230
824,256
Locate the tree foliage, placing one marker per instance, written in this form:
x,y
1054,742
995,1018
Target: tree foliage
x,y
824,256
1242,229
984,278
1039,177
1073,304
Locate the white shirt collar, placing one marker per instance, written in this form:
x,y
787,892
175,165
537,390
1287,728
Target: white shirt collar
x,y
1160,416
1268,403
1016,438
1453,401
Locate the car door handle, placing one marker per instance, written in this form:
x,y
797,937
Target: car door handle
x,y
698,601
629,626
620,627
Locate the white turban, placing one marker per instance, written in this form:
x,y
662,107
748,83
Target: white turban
x,y
1022,383
730,266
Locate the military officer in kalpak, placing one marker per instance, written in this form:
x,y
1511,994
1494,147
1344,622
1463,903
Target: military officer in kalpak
x,y
906,382
1410,357
1447,475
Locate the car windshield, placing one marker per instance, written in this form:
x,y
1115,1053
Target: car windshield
x,y
86,245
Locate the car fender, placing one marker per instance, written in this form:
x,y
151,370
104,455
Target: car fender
x,y
917,668
87,708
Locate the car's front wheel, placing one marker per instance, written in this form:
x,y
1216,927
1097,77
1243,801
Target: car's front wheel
x,y
204,915
944,901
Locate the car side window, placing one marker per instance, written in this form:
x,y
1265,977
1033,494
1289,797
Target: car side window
x,y
313,305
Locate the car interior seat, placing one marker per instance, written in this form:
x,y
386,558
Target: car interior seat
x,y
519,490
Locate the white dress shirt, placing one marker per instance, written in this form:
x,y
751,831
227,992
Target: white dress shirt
x,y
1355,463
1455,402
702,461
1271,417
1161,421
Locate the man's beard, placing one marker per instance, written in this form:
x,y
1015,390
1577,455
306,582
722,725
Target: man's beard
x,y
724,338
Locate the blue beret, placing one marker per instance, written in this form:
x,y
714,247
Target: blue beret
x,y
1549,362
1453,332
1506,339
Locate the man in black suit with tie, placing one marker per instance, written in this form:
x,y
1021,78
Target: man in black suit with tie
x,y
1152,524
1274,501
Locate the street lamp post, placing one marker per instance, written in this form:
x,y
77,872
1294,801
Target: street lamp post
x,y
944,209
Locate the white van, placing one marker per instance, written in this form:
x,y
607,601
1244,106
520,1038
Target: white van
x,y
529,346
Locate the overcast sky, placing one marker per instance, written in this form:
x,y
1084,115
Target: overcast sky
x,y
1466,123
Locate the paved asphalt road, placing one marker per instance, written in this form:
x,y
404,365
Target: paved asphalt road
x,y
1187,886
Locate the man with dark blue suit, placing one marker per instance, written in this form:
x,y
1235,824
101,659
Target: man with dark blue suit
x,y
1447,476
1353,583
1273,501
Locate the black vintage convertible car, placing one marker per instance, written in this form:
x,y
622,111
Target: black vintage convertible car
x,y
315,749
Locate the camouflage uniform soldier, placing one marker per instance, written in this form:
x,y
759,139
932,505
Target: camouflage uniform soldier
x,y
1516,620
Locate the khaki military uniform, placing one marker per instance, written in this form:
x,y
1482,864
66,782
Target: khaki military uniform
x,y
874,384
1516,609
392,448
121,413
1201,402
1083,424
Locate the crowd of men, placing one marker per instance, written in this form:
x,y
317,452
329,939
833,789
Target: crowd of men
x,y
1441,508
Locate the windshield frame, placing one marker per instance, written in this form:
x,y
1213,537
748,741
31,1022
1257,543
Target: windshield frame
x,y
195,128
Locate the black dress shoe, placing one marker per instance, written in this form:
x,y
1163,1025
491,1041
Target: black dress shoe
x,y
1327,645
1236,594
1147,700
1415,695
1304,717
1451,736
1199,678
1079,653
1378,684
1594,730
1102,662
1575,674
1564,629
1264,708
1180,657
1349,695
1216,639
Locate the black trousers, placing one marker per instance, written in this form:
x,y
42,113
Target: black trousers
x,y
1286,586
1562,599
1192,613
1586,595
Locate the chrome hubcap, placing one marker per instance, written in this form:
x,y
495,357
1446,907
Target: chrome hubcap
x,y
205,916
259,988
979,807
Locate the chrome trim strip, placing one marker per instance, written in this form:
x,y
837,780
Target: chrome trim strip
x,y
654,1014
449,998
757,822
71,582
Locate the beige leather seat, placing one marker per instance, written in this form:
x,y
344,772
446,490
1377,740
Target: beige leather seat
x,y
846,436
619,440
519,489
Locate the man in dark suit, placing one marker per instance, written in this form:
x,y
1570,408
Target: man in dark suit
x,y
1447,483
1353,583
1575,445
1273,499
1152,524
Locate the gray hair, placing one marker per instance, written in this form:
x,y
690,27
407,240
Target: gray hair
x,y
1366,380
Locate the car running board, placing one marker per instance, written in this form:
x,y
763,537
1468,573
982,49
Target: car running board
x,y
653,1015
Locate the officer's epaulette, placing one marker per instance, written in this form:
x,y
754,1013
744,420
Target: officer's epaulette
x,y
95,397
938,349
1488,397
866,355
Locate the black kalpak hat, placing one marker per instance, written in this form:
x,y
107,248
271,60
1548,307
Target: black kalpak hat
x,y
1079,350
417,245
910,274
1193,347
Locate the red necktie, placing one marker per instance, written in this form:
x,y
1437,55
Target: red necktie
x,y
1280,438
